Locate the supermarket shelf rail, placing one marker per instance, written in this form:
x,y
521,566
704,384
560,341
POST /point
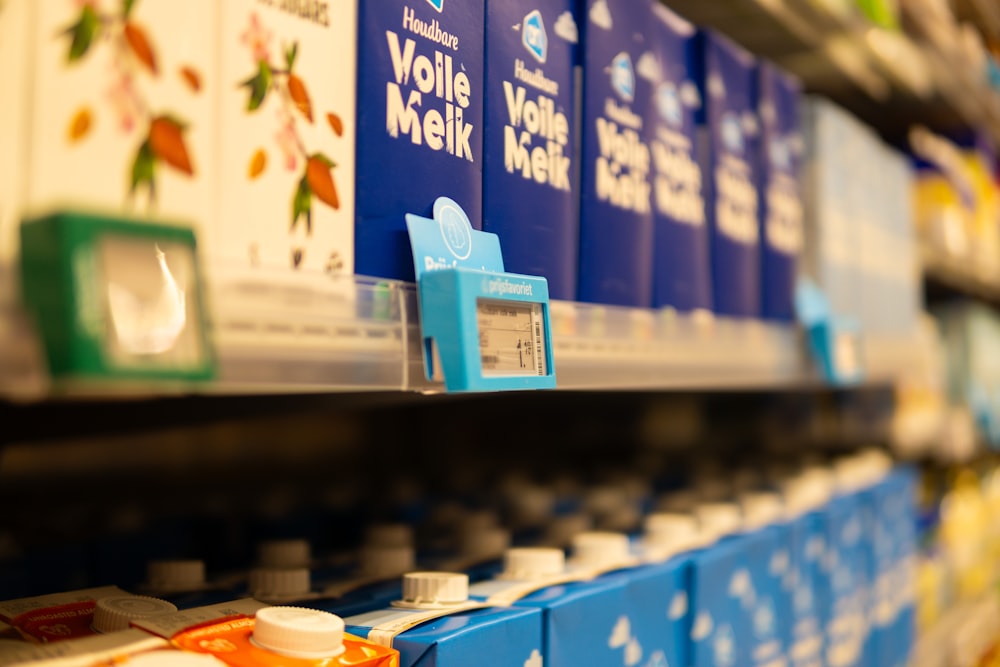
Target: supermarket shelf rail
x,y
317,334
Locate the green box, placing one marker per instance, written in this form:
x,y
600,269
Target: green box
x,y
116,298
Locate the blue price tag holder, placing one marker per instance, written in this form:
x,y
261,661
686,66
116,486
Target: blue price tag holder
x,y
483,329
835,341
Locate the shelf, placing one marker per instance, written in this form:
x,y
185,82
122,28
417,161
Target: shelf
x,y
890,79
277,332
951,276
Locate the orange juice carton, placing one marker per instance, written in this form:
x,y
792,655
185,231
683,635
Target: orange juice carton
x,y
71,615
284,637
121,104
287,132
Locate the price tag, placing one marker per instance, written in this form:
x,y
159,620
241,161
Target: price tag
x,y
847,353
835,341
116,298
511,338
483,329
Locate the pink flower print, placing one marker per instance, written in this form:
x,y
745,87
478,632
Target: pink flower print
x,y
287,139
258,38
122,97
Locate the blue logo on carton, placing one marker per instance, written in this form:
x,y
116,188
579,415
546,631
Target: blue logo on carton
x,y
668,102
533,36
732,134
623,76
437,4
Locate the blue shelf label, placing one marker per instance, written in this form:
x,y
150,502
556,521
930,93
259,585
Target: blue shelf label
x,y
483,329
835,341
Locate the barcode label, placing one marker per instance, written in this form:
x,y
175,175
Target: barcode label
x,y
511,338
539,353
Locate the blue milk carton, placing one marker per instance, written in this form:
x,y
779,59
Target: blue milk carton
x,y
805,498
580,613
607,609
780,160
768,558
904,575
718,587
531,165
420,118
616,215
681,270
436,625
729,117
847,567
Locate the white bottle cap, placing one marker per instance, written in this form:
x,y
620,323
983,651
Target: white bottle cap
x,y
171,576
563,528
669,533
485,543
677,501
172,658
271,583
806,492
624,519
603,500
389,535
760,509
435,588
530,563
600,549
718,519
284,553
387,561
299,633
114,613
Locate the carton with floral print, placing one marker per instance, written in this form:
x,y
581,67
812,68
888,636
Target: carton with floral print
x,y
14,42
121,107
286,129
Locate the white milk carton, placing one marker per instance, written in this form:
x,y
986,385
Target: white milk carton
x,y
121,107
287,134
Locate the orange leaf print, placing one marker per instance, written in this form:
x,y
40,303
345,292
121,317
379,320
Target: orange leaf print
x,y
257,164
166,138
335,123
320,180
79,126
300,96
139,43
191,78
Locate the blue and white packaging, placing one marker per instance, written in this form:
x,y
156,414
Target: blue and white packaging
x,y
805,497
580,615
716,587
420,117
616,215
768,557
435,625
607,609
847,565
682,276
781,193
728,85
531,184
